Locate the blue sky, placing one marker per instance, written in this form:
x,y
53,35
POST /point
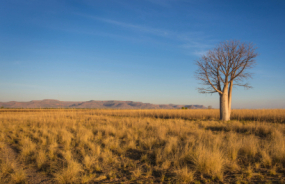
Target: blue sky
x,y
139,50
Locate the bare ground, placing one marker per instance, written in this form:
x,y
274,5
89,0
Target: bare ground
x,y
10,154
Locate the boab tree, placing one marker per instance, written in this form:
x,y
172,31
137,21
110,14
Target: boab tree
x,y
222,68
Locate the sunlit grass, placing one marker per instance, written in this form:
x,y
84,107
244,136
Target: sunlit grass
x,y
81,146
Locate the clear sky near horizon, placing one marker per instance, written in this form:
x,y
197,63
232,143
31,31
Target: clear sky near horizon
x,y
138,50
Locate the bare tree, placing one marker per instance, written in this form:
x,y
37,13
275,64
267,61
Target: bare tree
x,y
224,67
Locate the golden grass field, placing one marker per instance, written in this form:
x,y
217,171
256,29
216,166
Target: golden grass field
x,y
141,146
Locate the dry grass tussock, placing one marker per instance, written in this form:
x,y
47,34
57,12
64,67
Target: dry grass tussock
x,y
176,146
260,115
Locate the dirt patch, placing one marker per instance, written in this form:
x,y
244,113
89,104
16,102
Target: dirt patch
x,y
9,154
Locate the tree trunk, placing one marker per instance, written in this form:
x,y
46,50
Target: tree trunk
x,y
220,106
224,111
230,98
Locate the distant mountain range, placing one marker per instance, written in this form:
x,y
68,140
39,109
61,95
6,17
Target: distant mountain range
x,y
93,104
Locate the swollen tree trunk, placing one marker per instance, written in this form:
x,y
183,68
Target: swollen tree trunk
x,y
224,111
230,99
220,106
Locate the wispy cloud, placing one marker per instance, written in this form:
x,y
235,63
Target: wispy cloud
x,y
192,42
199,53
164,3
198,45
17,63
136,27
197,48
262,71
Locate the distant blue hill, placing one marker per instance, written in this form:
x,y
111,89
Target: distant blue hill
x,y
112,104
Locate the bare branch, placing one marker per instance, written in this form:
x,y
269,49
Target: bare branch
x,y
204,90
226,63
246,85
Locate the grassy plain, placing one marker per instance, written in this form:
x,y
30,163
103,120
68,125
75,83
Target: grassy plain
x,y
141,146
